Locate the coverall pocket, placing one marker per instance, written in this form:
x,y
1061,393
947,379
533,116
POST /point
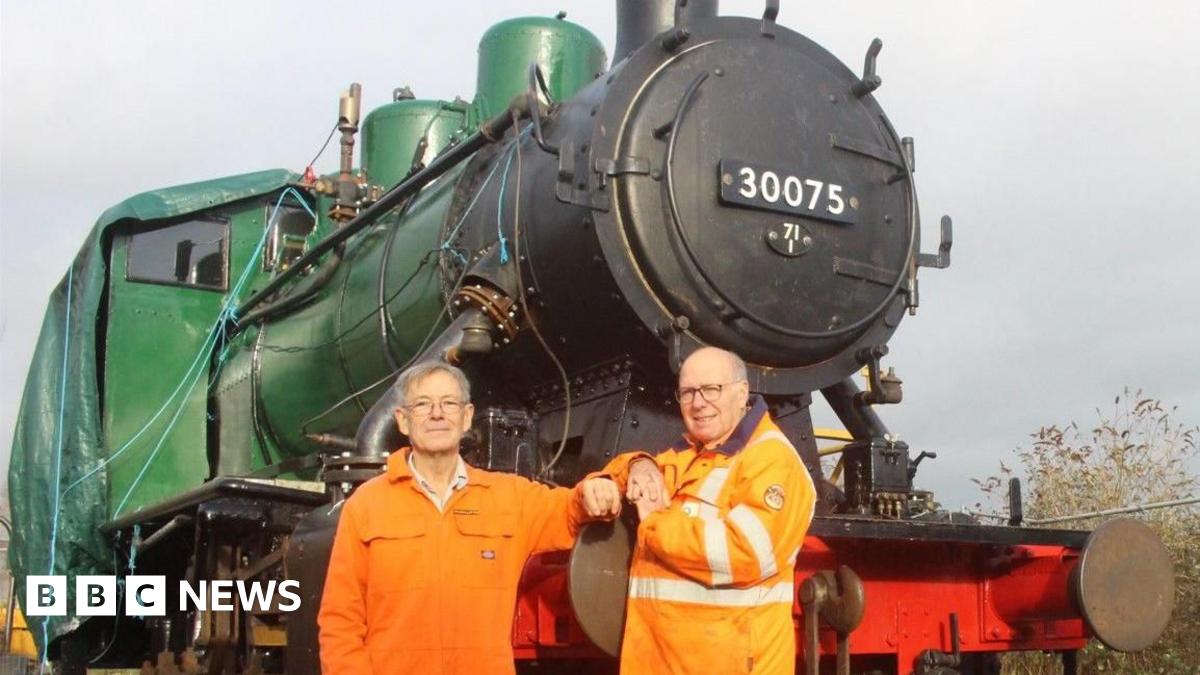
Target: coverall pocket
x,y
704,641
397,553
486,549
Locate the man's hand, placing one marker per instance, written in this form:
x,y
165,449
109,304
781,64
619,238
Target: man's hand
x,y
645,482
647,505
601,498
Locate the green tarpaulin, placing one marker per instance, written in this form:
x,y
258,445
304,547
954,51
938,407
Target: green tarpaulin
x,y
58,437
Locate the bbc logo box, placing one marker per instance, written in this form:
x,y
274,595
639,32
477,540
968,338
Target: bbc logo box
x,y
146,595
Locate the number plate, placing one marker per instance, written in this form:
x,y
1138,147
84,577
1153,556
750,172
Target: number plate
x,y
759,187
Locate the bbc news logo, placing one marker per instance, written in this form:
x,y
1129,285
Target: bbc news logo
x,y
146,595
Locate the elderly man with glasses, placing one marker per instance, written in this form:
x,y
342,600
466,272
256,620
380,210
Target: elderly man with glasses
x,y
426,559
722,516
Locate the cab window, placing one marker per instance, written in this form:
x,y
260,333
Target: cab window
x,y
192,253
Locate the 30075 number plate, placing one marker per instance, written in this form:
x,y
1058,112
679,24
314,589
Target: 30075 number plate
x,y
778,190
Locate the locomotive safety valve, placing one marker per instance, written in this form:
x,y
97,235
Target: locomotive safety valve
x,y
870,81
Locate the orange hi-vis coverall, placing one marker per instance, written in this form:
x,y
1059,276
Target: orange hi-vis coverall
x,y
412,589
711,583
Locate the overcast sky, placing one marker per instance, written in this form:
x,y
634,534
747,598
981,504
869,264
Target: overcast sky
x,y
1063,137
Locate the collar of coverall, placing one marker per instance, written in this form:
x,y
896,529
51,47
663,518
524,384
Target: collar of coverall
x,y
398,469
741,433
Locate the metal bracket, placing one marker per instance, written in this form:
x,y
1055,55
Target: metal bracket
x,y
885,388
770,12
867,149
622,165
535,95
870,81
942,259
565,189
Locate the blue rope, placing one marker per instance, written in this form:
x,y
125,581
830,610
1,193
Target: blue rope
x,y
62,408
453,232
205,348
193,372
215,333
500,207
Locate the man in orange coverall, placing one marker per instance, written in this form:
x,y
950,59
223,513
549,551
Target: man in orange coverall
x,y
426,560
723,515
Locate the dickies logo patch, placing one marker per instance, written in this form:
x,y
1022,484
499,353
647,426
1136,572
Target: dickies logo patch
x,y
487,554
773,497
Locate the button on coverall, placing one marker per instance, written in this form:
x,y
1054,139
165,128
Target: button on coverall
x,y
711,580
414,590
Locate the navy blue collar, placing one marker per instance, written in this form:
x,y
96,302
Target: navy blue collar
x,y
741,433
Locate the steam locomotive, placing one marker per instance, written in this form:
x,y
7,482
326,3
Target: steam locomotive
x,y
212,377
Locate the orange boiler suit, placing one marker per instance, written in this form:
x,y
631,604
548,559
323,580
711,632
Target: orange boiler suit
x,y
711,582
414,590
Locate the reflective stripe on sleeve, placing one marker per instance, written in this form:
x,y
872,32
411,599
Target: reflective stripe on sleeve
x,y
716,549
773,435
760,540
711,489
683,590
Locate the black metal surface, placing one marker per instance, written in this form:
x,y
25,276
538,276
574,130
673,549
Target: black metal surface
x,y
1124,584
848,527
219,487
504,440
703,272
306,561
874,470
780,76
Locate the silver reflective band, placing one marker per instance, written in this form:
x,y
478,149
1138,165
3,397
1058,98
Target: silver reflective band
x,y
760,540
717,551
713,484
715,547
682,590
773,435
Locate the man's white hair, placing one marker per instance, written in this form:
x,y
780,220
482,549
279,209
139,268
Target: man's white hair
x,y
424,369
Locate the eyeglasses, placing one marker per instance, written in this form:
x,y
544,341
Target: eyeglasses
x,y
424,408
709,392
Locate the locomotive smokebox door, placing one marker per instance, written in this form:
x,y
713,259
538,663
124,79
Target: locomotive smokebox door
x,y
755,193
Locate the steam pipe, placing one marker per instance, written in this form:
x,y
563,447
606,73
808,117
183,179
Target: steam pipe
x,y
378,434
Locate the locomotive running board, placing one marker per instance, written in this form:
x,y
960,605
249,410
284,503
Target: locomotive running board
x,y
839,527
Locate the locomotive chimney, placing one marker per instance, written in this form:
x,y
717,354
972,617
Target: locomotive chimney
x,y
638,21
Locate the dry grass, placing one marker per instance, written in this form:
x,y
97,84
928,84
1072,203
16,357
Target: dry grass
x,y
1137,454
